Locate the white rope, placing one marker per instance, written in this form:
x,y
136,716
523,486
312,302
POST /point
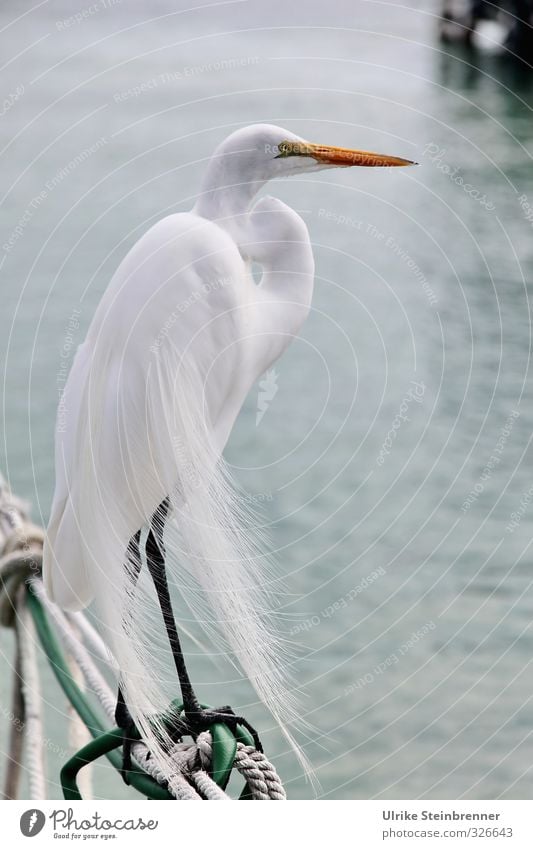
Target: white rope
x,y
78,733
34,748
93,677
177,784
255,768
192,761
262,778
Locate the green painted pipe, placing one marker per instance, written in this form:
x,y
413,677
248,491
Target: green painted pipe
x,y
105,742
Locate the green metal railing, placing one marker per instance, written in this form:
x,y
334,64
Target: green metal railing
x,y
106,742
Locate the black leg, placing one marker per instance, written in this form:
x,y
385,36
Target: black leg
x,y
155,558
196,717
133,559
125,721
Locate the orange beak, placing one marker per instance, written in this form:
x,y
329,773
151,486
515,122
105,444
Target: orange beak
x,y
341,156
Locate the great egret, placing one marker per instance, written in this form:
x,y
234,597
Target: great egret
x,y
179,337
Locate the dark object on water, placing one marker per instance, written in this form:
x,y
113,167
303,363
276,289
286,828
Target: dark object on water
x,y
503,28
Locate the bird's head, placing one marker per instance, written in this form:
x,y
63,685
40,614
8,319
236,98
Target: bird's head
x,y
264,151
253,155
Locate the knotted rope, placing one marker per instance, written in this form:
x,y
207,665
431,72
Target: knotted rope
x,y
21,551
20,563
261,776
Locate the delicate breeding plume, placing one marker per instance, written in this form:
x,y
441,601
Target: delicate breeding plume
x,y
178,339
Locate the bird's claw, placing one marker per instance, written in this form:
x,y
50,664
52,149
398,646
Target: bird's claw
x,y
201,720
189,723
128,739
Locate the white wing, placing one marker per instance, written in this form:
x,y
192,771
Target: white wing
x,y
169,358
181,292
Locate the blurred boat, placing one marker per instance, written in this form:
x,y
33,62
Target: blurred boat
x,y
500,28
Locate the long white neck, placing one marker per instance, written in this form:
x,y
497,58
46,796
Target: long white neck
x,y
226,195
279,242
269,233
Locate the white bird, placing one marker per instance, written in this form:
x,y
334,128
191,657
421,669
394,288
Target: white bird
x,y
179,337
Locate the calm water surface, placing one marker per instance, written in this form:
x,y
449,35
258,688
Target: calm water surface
x,y
395,446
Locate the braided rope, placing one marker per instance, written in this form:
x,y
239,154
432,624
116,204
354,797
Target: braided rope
x,y
78,733
16,735
31,691
92,675
262,778
255,768
21,544
15,569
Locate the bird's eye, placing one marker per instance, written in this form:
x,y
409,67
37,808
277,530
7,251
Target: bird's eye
x,y
284,148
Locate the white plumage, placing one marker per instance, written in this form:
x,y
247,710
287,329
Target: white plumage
x,y
179,337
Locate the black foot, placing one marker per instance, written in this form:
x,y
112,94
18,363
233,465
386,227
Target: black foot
x,y
127,741
200,720
130,734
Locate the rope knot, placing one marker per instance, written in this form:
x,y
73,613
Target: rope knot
x,y
22,557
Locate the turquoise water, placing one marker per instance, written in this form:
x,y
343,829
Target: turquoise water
x,y
393,457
